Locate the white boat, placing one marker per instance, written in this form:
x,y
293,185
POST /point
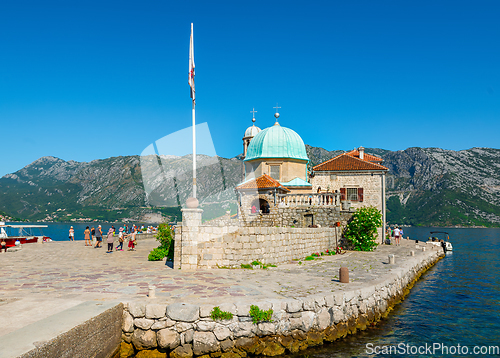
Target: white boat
x,y
440,241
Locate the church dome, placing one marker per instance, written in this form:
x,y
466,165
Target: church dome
x,y
276,142
252,131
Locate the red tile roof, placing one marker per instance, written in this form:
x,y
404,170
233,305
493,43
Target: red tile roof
x,y
262,182
371,158
346,162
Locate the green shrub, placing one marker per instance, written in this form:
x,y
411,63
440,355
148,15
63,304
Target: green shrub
x,y
256,263
246,266
361,231
309,258
218,314
164,237
259,315
157,254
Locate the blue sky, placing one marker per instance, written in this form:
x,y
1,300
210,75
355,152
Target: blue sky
x,y
83,80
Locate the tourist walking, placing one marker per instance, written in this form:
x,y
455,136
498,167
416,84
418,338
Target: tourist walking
x,y
71,234
131,240
396,235
120,240
110,240
98,237
4,246
87,237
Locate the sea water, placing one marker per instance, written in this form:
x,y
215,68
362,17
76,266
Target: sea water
x,y
60,231
454,307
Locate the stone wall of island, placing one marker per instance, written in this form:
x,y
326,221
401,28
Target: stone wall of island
x,y
201,246
187,330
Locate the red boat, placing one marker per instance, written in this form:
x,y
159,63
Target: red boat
x,y
26,234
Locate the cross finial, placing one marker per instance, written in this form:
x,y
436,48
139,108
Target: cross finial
x,y
253,111
276,115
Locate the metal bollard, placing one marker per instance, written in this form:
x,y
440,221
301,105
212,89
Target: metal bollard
x,y
412,253
344,275
151,292
392,259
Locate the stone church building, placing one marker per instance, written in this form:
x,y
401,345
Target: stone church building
x,y
280,187
287,208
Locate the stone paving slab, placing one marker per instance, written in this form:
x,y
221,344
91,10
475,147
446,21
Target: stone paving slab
x,y
43,279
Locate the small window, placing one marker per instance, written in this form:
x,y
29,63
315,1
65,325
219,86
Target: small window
x,y
275,172
352,194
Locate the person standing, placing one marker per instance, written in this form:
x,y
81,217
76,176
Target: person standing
x,y
98,237
92,231
4,246
120,240
110,240
131,240
396,235
87,237
71,234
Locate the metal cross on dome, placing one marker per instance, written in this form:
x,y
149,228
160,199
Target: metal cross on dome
x,y
276,115
253,111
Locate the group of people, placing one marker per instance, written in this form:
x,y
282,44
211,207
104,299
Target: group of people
x,y
96,235
396,233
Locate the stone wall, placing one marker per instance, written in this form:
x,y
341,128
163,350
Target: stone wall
x,y
300,216
186,330
296,216
230,243
231,246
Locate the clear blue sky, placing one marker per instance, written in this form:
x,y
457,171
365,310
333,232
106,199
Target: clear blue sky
x,y
84,80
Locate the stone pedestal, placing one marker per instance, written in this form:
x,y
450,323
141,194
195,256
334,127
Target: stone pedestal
x,y
191,221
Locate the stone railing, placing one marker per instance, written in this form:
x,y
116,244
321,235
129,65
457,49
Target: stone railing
x,y
321,199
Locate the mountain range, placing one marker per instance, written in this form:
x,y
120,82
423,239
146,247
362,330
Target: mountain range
x,y
425,186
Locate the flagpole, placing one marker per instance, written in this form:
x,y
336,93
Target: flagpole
x,y
193,96
194,149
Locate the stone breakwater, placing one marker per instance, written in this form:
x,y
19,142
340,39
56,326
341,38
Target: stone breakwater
x,y
187,330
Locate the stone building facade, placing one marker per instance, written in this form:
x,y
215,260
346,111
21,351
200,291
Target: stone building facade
x,y
358,177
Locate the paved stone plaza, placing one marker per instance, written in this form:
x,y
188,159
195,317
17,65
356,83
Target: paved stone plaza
x,y
43,279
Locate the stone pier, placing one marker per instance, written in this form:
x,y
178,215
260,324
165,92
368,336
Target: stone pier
x,y
69,284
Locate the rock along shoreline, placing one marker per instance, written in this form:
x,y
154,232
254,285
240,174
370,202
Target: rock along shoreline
x,y
182,330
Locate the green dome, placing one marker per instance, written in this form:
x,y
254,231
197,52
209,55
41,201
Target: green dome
x,y
276,142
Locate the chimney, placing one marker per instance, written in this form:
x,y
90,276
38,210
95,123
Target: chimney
x,y
361,153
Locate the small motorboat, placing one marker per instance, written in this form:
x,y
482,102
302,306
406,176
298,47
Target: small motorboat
x,y
26,234
440,238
